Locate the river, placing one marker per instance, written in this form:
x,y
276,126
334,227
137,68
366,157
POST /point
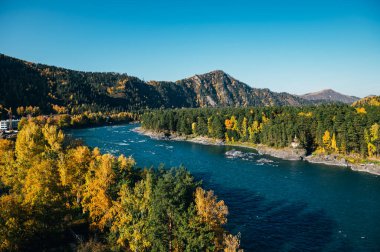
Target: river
x,y
276,205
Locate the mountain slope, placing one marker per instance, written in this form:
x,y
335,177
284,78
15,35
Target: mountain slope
x,y
220,89
23,83
369,100
329,95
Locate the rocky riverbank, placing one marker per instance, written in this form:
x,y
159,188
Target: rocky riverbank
x,y
339,161
283,153
327,159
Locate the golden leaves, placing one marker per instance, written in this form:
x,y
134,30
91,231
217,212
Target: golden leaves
x,y
211,210
228,123
361,110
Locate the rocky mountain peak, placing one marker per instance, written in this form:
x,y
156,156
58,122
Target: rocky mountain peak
x,y
329,95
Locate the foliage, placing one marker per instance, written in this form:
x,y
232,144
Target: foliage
x,y
339,129
49,184
63,91
369,101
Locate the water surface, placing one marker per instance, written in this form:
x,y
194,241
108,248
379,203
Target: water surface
x,y
277,206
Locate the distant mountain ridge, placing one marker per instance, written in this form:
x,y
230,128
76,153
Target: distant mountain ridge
x,y
329,95
24,83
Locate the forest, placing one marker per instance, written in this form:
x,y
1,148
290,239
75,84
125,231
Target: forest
x,y
340,129
50,88
56,194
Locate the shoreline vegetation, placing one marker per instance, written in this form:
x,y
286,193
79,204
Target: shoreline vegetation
x,y
286,153
333,134
58,194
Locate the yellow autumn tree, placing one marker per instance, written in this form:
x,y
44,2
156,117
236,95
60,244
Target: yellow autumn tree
x,y
41,188
228,123
305,114
8,174
361,110
254,129
130,213
12,227
371,149
326,139
226,137
211,210
231,243
96,198
264,118
30,143
244,128
194,128
374,131
20,111
209,125
235,124
371,138
53,137
72,168
125,164
59,109
334,146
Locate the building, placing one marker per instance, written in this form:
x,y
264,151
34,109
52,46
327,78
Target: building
x,y
4,124
295,142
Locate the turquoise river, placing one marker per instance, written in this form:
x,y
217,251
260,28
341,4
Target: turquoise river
x,y
276,205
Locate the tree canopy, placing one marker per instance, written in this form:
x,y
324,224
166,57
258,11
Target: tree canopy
x,y
53,187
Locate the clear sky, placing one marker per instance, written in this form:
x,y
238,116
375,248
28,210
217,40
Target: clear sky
x,y
292,46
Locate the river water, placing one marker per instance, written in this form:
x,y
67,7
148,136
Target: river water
x,y
276,205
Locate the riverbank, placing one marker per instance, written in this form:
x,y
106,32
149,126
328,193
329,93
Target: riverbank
x,y
287,153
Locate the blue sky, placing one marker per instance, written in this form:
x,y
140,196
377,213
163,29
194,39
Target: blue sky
x,y
291,46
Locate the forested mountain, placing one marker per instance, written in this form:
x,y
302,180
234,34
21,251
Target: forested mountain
x,y
28,84
369,100
329,95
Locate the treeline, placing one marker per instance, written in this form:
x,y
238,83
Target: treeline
x,y
340,129
55,192
63,119
83,120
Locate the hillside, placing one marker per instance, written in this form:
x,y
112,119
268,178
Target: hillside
x,y
369,100
220,89
330,96
23,83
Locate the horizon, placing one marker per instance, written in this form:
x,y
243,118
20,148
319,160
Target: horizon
x,y
296,48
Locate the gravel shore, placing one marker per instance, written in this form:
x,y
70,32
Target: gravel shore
x,y
283,153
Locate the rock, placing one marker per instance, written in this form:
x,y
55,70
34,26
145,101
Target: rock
x,y
284,153
327,159
234,154
264,160
369,167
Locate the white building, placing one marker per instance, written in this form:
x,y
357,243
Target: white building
x,y
295,142
4,124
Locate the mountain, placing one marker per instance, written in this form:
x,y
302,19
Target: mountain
x,y
217,88
371,100
329,95
24,83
